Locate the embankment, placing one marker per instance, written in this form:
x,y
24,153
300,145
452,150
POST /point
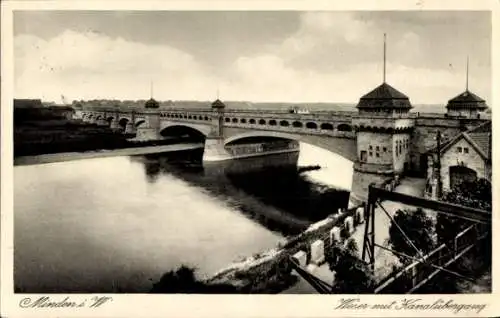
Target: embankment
x,y
67,156
260,273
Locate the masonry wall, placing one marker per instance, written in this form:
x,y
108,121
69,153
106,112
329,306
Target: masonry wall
x,y
424,135
401,144
377,146
360,182
471,160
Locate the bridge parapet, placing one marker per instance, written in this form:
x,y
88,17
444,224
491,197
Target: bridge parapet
x,y
332,131
361,122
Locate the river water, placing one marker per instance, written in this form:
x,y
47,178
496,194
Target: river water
x,y
117,224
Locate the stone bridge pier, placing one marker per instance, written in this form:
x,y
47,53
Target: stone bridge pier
x,y
214,142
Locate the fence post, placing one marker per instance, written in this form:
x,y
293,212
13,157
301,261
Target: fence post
x,y
455,246
414,274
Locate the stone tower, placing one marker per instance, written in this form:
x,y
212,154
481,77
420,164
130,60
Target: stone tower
x,y
383,127
214,143
467,104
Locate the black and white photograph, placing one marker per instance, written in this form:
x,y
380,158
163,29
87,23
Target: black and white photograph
x,y
252,152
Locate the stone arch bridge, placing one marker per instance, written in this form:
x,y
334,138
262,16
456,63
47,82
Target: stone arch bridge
x,y
381,145
330,131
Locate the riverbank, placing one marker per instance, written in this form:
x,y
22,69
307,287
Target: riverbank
x,y
69,156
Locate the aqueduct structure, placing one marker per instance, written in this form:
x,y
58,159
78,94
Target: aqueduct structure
x,y
382,138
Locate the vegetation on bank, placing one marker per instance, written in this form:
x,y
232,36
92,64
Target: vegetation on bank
x,y
427,234
352,276
272,279
49,130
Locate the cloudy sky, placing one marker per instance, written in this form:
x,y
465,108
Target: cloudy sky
x,y
254,56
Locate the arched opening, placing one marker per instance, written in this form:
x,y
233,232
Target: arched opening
x,y
252,121
327,126
284,123
235,120
227,119
272,122
311,125
262,122
109,120
206,118
123,122
297,124
459,174
312,153
190,117
140,122
344,127
259,144
243,121
180,133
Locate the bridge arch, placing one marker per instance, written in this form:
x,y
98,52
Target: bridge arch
x,y
326,126
199,127
297,124
344,127
311,125
140,122
251,121
344,147
284,123
272,122
262,122
184,132
123,122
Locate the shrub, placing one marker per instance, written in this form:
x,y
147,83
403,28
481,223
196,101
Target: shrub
x,y
418,227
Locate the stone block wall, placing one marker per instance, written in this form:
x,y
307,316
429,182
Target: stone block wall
x,y
252,274
401,144
377,146
471,160
361,181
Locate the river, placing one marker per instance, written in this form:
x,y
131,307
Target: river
x,y
116,224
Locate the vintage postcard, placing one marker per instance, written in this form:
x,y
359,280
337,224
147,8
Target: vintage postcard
x,y
249,159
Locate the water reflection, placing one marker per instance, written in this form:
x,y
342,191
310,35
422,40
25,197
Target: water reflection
x,y
269,190
117,224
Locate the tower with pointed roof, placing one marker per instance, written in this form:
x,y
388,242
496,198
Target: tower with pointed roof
x,y
151,103
467,104
214,143
383,130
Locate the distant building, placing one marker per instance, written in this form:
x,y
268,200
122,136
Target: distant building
x,y
466,157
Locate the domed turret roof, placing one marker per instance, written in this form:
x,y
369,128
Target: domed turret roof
x,y
218,104
151,103
384,96
467,99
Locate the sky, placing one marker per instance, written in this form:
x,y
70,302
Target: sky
x,y
274,56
